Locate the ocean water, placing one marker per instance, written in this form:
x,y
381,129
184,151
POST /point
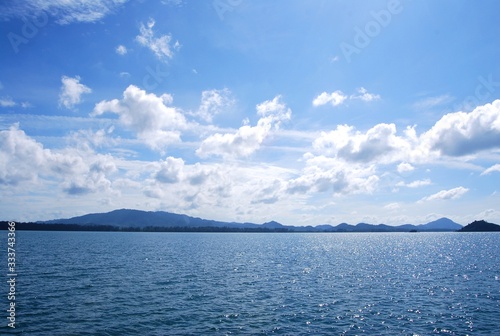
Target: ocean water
x,y
110,283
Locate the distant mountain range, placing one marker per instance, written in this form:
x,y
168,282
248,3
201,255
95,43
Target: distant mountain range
x,y
147,220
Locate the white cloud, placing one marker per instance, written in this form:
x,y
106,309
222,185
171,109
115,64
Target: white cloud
x,y
335,98
364,95
405,167
24,160
345,142
213,102
454,193
392,206
155,124
323,174
415,184
7,102
159,45
71,91
460,133
90,176
121,50
65,12
268,193
20,157
26,105
431,102
455,134
170,170
88,139
247,139
494,168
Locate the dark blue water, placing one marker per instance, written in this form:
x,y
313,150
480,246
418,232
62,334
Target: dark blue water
x,y
86,283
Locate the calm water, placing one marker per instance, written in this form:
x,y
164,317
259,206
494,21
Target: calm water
x,y
86,283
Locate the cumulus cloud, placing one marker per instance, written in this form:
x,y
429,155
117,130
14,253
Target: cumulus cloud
x,y
335,98
355,156
90,176
186,186
24,160
455,134
268,193
71,91
247,139
405,167
160,46
170,170
212,103
20,157
7,102
364,95
454,193
323,174
155,123
460,133
414,184
351,145
121,50
392,206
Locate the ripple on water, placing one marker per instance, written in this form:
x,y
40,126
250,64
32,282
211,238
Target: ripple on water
x,y
83,283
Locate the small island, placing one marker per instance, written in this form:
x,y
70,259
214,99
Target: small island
x,y
480,226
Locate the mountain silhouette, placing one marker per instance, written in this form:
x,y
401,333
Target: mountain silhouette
x,y
480,226
128,218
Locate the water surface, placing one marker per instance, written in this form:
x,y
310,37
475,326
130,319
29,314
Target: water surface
x,y
111,283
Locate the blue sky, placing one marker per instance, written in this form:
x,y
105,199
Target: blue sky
x,y
304,112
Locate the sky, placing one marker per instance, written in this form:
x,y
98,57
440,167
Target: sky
x,y
304,112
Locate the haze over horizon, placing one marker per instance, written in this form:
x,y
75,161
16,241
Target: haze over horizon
x,y
305,113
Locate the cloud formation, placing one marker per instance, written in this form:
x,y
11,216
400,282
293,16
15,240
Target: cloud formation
x,y
212,103
351,145
460,133
71,91
26,161
160,46
364,95
450,194
148,115
247,139
337,98
414,184
121,50
7,102
65,12
494,168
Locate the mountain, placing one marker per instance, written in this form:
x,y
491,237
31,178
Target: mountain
x,y
140,219
146,220
441,224
480,226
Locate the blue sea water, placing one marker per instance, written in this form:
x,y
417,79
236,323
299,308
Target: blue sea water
x,y
110,283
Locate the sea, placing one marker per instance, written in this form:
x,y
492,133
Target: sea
x,y
132,283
